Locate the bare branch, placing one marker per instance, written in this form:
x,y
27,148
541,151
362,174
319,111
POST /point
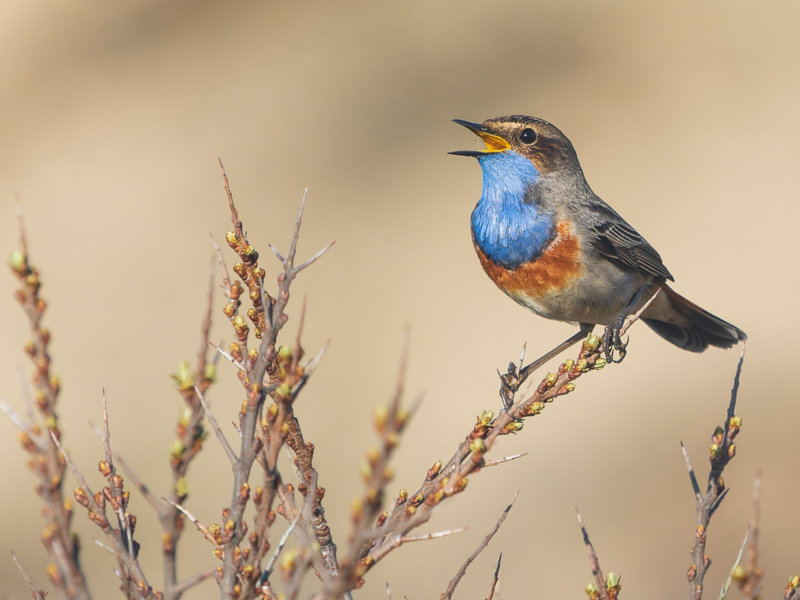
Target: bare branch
x,y
36,593
430,536
15,417
597,572
226,282
278,254
222,352
749,581
137,482
454,582
192,581
314,258
726,586
695,485
200,527
496,579
284,538
215,426
499,461
296,236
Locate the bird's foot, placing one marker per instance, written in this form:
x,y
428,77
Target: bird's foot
x,y
510,382
612,342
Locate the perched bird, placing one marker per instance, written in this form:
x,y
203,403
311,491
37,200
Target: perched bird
x,y
551,244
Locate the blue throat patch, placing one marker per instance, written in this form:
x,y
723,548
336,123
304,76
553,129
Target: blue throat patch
x,y
509,231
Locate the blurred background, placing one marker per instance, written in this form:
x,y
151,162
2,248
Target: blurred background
x,y
685,118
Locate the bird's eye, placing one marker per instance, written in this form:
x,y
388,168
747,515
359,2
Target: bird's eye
x,y
528,136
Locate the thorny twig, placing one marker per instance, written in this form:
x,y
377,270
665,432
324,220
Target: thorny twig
x,y
266,372
722,451
134,583
410,511
67,577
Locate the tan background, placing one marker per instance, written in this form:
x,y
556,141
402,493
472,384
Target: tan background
x,y
685,118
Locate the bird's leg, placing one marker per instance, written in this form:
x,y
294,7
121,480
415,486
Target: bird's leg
x,y
513,380
611,339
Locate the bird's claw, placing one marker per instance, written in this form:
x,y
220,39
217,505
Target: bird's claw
x,y
612,343
509,384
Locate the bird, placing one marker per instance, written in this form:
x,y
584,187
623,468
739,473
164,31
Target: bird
x,y
552,245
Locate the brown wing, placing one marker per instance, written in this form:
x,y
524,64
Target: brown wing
x,y
621,243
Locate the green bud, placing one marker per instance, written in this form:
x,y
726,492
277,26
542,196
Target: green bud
x,y
612,580
478,446
536,408
381,418
210,373
592,342
181,487
183,378
600,363
284,354
514,426
176,450
17,260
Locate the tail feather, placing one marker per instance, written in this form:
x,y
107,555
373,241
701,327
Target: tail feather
x,y
683,323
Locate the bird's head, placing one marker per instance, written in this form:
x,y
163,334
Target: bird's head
x,y
540,142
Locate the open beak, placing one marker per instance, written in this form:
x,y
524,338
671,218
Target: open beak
x,y
494,143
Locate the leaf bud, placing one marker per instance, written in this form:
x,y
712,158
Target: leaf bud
x,y
380,418
80,496
284,354
18,261
433,472
181,487
478,446
591,343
